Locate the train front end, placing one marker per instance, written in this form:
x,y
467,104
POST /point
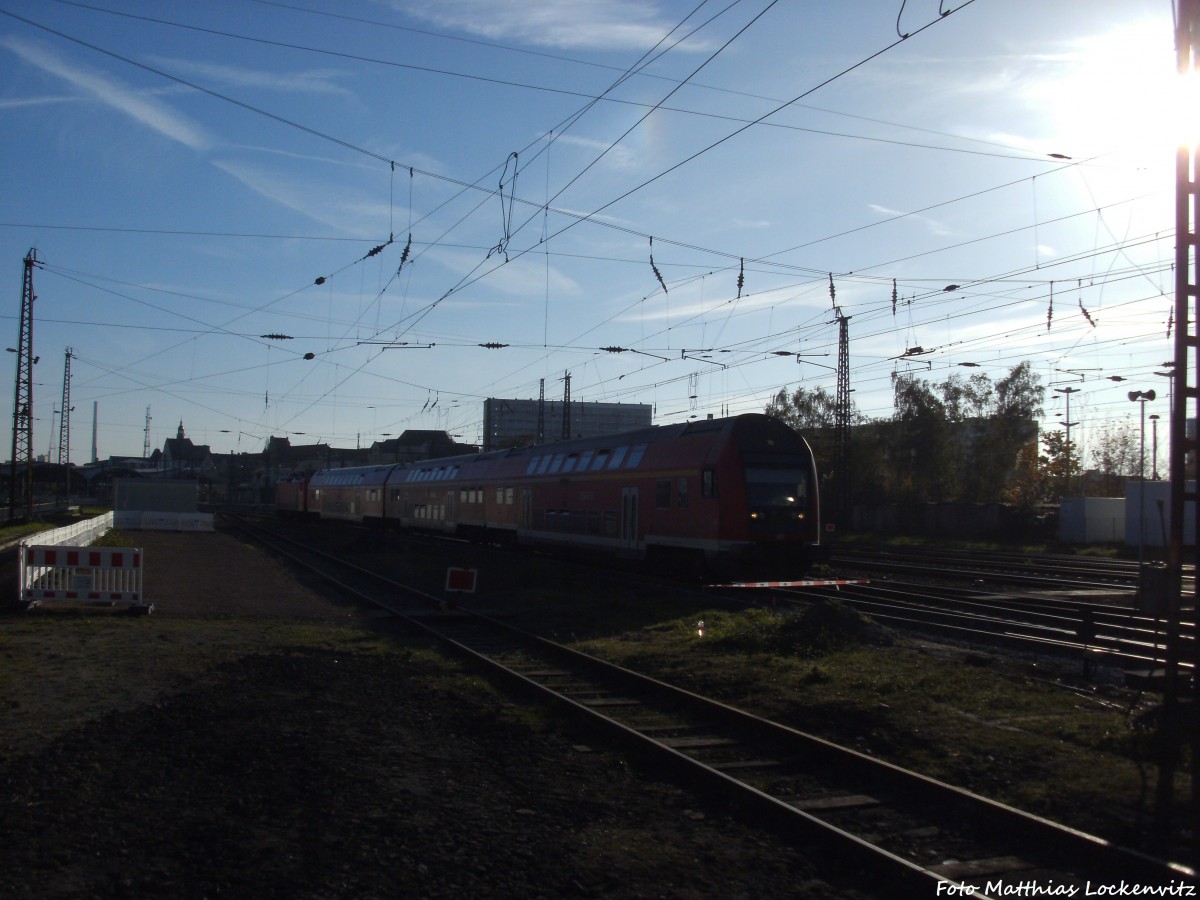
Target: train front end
x,y
770,507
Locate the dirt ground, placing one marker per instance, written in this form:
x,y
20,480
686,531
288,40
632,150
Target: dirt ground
x,y
255,738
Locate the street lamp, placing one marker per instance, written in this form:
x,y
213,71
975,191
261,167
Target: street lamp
x,y
1141,397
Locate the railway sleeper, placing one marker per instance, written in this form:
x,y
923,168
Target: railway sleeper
x,y
960,870
843,801
610,701
702,742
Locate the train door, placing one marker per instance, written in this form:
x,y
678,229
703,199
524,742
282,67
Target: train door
x,y
628,532
526,509
525,522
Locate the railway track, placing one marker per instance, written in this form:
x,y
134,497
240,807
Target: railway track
x,y
914,833
1028,570
1116,635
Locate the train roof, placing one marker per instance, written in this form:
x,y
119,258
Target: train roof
x,y
352,475
756,423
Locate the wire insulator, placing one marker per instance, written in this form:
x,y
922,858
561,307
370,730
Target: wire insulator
x,y
657,274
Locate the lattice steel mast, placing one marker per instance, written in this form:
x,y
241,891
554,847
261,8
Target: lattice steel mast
x,y
566,416
1185,448
21,475
64,431
841,423
64,422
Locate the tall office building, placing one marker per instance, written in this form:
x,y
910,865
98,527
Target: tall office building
x,y
514,423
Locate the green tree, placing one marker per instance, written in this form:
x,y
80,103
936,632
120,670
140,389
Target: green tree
x,y
922,456
1060,464
992,448
804,409
1116,456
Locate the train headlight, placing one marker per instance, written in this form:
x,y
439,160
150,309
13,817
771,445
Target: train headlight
x,y
754,515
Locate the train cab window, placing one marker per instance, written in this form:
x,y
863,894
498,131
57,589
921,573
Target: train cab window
x,y
662,494
708,483
635,456
616,457
681,496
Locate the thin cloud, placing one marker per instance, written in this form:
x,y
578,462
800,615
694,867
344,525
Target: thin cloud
x,y
25,102
565,24
312,81
136,104
621,157
327,204
934,226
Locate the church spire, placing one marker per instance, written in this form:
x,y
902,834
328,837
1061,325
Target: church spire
x,y
179,434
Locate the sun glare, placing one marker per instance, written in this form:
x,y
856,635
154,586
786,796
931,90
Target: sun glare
x,y
1120,92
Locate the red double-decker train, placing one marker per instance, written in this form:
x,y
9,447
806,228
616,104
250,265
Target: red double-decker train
x,y
737,494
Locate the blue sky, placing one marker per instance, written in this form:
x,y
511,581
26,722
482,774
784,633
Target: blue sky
x,y
198,175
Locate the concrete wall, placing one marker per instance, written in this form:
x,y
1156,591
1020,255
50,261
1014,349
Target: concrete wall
x,y
1091,520
152,495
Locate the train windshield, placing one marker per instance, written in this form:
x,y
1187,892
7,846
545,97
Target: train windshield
x,y
778,497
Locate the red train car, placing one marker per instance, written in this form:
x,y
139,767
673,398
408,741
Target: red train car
x,y
290,497
737,494
354,494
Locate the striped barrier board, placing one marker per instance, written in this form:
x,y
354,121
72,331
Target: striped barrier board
x,y
81,574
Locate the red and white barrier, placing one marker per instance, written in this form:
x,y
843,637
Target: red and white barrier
x,y
813,582
81,574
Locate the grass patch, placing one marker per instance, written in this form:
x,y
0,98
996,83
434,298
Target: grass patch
x,y
997,728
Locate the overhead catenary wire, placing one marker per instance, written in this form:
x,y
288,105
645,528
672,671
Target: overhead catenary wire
x,y
739,259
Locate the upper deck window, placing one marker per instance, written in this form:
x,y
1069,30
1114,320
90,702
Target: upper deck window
x,y
635,456
617,457
601,460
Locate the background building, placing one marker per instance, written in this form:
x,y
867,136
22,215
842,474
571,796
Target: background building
x,y
514,423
